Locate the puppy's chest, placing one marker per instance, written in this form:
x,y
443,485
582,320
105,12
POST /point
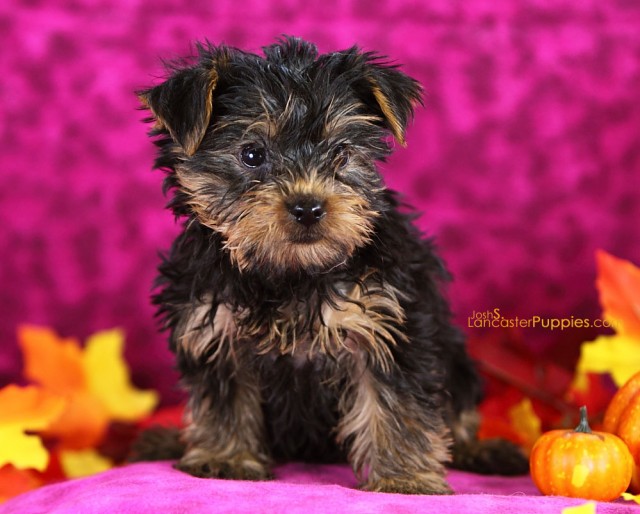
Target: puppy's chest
x,y
364,318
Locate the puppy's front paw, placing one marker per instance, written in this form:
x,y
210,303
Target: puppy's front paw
x,y
420,484
207,465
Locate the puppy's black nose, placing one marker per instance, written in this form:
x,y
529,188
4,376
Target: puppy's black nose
x,y
308,212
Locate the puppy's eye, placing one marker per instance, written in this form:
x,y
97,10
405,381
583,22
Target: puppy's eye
x,y
341,155
253,156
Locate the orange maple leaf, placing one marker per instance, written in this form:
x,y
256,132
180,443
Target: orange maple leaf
x,y
94,381
618,283
56,364
16,481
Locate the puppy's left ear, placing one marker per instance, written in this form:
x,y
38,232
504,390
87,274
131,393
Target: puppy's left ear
x,y
393,95
182,105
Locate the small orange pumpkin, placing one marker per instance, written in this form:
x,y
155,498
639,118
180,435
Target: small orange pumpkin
x,y
622,418
581,464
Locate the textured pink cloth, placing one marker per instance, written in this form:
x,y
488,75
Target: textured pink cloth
x,y
157,488
524,160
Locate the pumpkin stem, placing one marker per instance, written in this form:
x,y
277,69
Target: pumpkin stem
x,y
583,427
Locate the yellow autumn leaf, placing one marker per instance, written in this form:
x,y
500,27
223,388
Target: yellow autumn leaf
x,y
25,409
76,464
525,422
108,378
631,497
580,381
22,450
618,355
585,508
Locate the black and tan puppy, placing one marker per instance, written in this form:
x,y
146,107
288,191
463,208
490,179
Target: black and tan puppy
x,y
304,308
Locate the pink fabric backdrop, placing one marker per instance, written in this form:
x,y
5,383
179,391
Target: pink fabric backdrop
x,y
525,159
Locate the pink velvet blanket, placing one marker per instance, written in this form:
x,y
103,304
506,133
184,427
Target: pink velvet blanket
x,y
299,488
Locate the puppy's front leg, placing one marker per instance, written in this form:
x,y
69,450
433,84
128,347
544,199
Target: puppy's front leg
x,y
225,433
225,426
394,441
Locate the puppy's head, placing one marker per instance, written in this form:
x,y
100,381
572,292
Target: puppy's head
x,y
277,153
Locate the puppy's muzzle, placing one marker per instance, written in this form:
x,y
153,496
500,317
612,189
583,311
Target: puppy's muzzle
x,y
307,210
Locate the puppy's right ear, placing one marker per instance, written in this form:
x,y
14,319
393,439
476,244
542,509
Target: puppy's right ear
x,y
182,105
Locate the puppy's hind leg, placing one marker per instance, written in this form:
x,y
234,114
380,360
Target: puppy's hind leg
x,y
157,443
489,456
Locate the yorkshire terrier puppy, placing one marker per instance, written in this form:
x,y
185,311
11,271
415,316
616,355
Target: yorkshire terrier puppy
x,y
303,306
